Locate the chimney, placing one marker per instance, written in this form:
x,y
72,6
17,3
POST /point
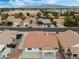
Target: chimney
x,y
47,34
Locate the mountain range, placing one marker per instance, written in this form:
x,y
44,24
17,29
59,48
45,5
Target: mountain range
x,y
51,6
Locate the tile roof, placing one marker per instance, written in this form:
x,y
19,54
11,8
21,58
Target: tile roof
x,y
45,20
5,36
68,38
38,39
74,50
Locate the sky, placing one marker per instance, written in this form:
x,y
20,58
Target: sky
x,y
24,3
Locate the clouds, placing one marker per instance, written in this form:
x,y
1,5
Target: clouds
x,y
20,3
77,0
23,3
51,1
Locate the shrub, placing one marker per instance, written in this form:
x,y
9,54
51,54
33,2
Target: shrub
x,y
9,23
39,22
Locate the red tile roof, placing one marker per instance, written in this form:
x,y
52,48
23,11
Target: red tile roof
x,y
38,39
68,38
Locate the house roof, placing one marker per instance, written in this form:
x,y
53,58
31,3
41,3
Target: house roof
x,y
5,36
38,39
68,38
74,50
13,19
59,20
45,20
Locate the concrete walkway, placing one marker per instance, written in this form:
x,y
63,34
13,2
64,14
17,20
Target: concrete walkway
x,y
49,56
21,45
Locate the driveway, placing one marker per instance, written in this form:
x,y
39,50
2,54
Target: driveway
x,y
21,45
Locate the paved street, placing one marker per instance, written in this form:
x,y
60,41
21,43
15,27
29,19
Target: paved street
x,y
38,29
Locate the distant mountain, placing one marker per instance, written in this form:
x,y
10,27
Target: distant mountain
x,y
52,6
56,6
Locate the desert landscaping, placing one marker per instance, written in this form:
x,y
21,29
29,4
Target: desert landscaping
x,y
39,18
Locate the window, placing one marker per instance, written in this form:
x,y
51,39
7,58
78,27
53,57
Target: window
x,y
40,48
29,49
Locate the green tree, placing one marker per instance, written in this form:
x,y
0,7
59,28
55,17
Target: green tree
x,y
38,15
72,13
28,14
4,16
39,22
9,23
69,22
55,14
51,20
23,18
46,15
19,15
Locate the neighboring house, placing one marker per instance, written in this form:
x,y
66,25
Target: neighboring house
x,y
28,23
46,22
60,21
14,20
69,41
6,37
40,46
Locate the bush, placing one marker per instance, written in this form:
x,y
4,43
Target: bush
x,y
18,25
70,23
28,14
39,22
55,23
26,25
9,23
55,14
4,16
3,23
39,15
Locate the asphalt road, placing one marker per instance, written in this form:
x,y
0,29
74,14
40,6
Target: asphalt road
x,y
38,29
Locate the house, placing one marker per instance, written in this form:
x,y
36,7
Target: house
x,y
60,21
29,21
46,22
69,41
38,45
6,37
14,20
